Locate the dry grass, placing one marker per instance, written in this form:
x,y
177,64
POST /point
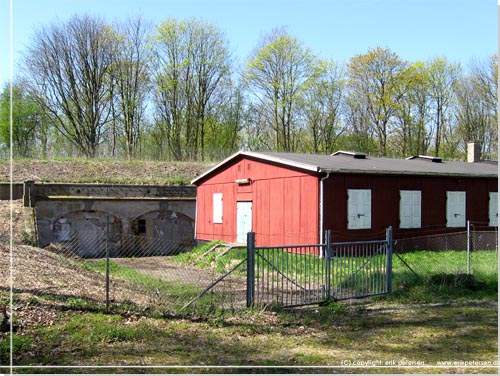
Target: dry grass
x,y
17,220
103,171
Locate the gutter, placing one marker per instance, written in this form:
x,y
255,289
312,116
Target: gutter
x,y
321,204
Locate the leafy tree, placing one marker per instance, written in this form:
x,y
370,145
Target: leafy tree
x,y
29,125
322,107
373,83
442,79
277,72
193,63
222,135
412,136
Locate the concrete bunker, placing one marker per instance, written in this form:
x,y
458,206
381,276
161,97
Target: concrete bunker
x,y
144,220
85,232
174,229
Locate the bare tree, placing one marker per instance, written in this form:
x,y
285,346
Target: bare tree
x,y
476,108
68,65
130,79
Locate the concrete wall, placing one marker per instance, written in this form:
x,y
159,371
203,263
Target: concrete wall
x,y
17,191
80,213
44,190
58,220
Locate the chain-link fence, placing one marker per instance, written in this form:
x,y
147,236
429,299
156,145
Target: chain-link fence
x,y
92,270
470,252
133,272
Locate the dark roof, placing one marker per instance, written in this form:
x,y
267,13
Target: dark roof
x,y
359,163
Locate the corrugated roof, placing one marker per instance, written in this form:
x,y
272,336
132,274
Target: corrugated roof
x,y
345,162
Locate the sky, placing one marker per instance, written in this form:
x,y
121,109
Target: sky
x,y
460,30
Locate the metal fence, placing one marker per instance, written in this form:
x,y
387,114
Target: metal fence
x,y
154,274
157,274
464,250
309,274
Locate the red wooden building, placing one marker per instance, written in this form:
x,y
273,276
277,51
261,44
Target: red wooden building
x,y
288,198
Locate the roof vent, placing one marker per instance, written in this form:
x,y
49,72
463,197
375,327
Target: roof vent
x,y
354,154
427,158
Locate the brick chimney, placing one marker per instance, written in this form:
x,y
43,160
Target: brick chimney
x,y
473,152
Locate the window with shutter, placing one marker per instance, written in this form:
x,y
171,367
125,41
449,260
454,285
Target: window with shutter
x,y
455,209
217,207
359,206
493,212
410,209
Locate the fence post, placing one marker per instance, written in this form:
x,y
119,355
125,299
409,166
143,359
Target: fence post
x,y
250,269
468,246
327,259
388,239
107,263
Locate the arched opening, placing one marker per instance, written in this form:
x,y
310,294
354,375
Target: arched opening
x,y
84,232
168,232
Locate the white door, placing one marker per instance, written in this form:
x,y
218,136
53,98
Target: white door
x,y
243,220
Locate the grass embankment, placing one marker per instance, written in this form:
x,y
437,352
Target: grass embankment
x,y
428,319
79,170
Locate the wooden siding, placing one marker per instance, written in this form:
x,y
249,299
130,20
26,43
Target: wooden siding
x,y
285,203
385,203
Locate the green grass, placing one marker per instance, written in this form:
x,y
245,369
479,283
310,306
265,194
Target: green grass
x,y
172,296
315,337
198,256
144,280
441,276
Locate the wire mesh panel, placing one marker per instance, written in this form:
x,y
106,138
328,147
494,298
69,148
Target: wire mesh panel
x,y
460,252
359,269
289,276
310,274
169,278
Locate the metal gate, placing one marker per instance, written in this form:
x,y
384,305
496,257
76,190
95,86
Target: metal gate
x,y
309,274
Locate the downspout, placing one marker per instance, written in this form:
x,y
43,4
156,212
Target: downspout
x,y
321,202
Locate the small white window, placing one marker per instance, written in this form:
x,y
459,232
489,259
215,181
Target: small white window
x,y
217,206
359,208
410,209
455,209
493,209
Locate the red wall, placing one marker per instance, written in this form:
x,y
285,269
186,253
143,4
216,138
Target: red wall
x,y
385,203
285,203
